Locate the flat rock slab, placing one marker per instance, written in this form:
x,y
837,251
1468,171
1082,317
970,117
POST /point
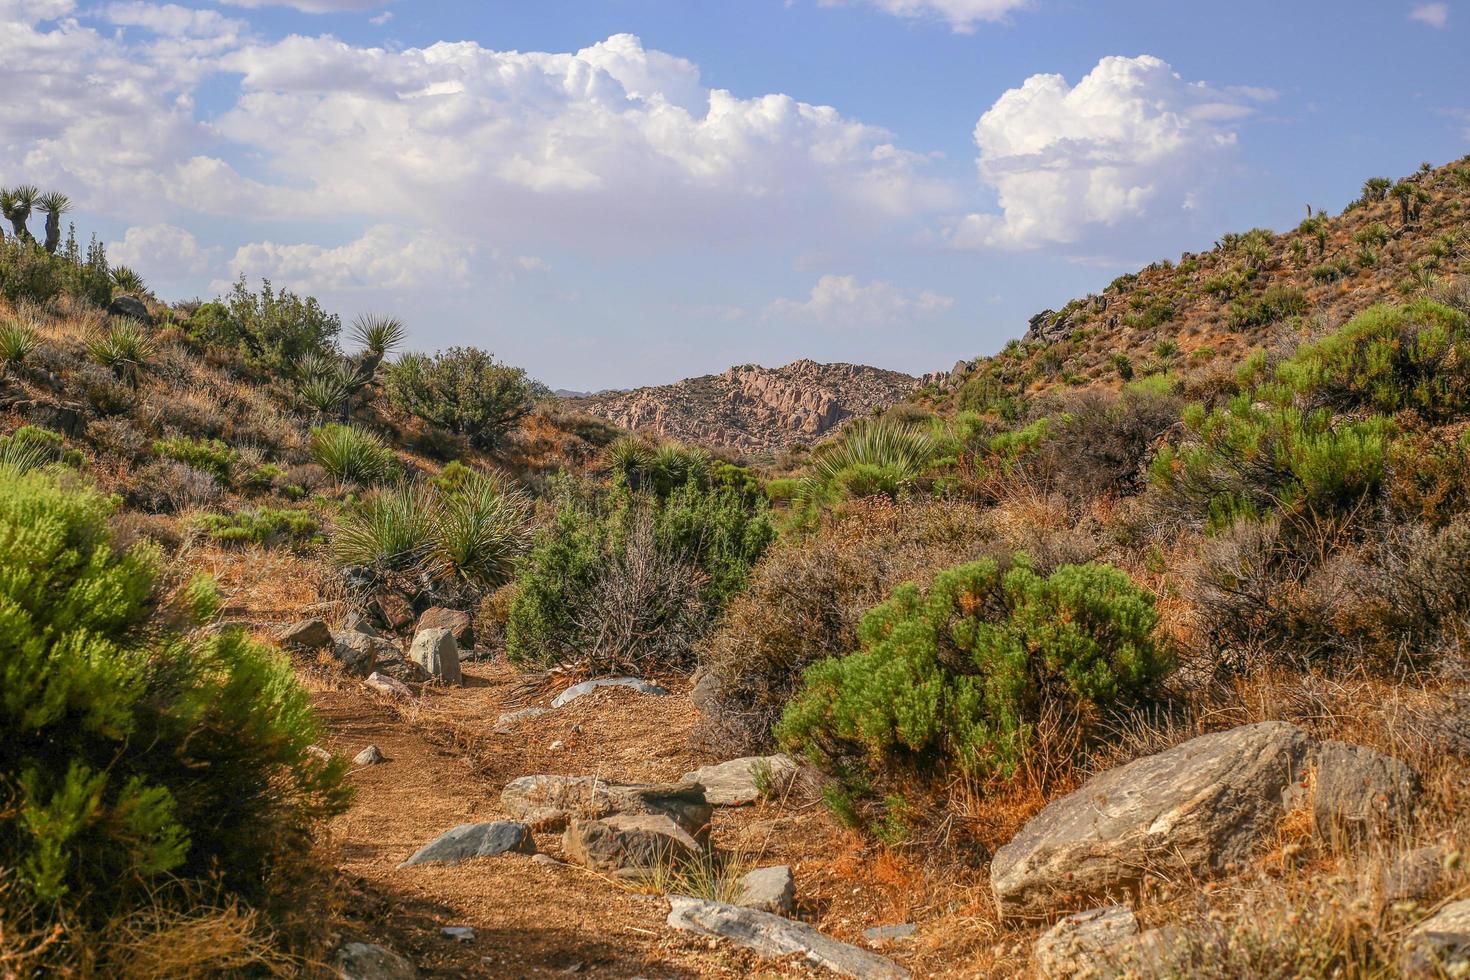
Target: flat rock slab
x,y
435,651
1197,809
742,781
587,687
364,961
384,684
891,933
549,802
1440,945
456,621
1077,944
510,718
628,843
475,840
768,889
774,937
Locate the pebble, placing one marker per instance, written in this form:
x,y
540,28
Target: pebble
x,y
462,934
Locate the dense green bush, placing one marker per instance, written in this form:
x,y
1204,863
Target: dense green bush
x,y
34,447
269,328
212,456
260,525
352,455
29,274
1276,303
959,674
464,390
134,754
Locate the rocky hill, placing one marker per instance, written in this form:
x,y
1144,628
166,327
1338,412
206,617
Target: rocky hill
x,y
752,408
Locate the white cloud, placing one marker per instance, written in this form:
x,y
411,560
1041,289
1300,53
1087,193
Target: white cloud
x,y
171,20
963,16
381,19
848,301
386,257
310,6
161,252
1131,140
1436,15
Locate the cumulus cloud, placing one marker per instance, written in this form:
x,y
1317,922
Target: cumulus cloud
x,y
161,252
311,6
385,257
1436,15
848,301
963,16
1131,140
171,19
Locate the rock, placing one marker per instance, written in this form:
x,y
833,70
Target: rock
x,y
773,937
768,889
746,780
393,610
462,934
1414,875
549,802
1361,792
557,745
545,859
883,935
399,667
627,843
456,621
1164,953
316,751
129,306
309,634
359,654
68,418
1078,943
435,651
1197,809
364,961
1439,946
356,622
706,693
475,840
587,687
505,721
370,756
384,684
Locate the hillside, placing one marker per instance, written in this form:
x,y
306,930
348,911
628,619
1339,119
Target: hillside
x,y
1217,307
753,409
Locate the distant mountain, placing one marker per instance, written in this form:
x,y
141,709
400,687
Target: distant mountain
x,y
751,408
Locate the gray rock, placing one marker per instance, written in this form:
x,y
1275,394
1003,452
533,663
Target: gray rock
x,y
1077,944
510,718
1197,809
356,622
742,781
587,687
457,621
129,306
1414,875
384,684
706,693
768,889
462,934
1361,792
437,653
309,634
359,654
475,840
627,843
883,935
1440,945
364,961
316,751
370,756
1164,953
549,802
399,667
773,937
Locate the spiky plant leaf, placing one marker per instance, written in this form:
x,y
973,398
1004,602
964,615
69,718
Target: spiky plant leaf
x,y
16,343
379,335
128,280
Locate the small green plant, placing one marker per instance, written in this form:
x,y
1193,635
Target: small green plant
x,y
29,447
871,459
125,347
212,456
17,343
125,280
352,455
260,525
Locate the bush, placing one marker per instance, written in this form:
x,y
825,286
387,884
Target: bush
x,y
16,344
1276,303
352,455
271,329
958,674
871,459
136,755
464,390
262,525
33,447
124,348
168,486
209,455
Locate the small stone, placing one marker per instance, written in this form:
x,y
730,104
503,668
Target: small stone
x,y
511,717
557,746
436,652
742,781
883,935
365,961
316,751
395,611
1074,945
545,859
769,890
309,634
587,687
356,622
474,840
462,934
455,620
370,756
388,685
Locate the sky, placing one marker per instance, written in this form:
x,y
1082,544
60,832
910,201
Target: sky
x,y
613,193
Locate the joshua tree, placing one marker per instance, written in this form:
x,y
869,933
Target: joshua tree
x,y
379,336
1376,189
1403,192
53,204
16,204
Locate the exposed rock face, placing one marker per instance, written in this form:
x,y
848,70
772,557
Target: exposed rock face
x,y
474,840
752,408
742,781
628,842
1361,792
773,937
1196,809
549,802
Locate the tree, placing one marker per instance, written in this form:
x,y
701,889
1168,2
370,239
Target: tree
x,y
272,329
16,204
53,205
464,390
1376,189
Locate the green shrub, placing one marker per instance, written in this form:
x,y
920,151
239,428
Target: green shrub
x,y
959,674
135,755
125,347
211,456
390,529
29,447
1341,268
1276,303
16,343
259,525
269,328
870,459
464,390
352,455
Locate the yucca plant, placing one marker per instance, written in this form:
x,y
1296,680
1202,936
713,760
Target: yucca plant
x,y
392,529
125,348
16,344
325,394
351,455
629,457
53,204
379,335
128,281
481,528
894,455
16,204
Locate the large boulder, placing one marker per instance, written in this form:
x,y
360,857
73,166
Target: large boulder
x,y
457,621
308,634
1198,809
628,843
773,937
1361,792
549,802
437,654
130,307
1440,945
742,781
587,687
1078,944
475,840
365,961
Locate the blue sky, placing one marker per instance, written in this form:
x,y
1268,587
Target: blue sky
x,y
623,192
